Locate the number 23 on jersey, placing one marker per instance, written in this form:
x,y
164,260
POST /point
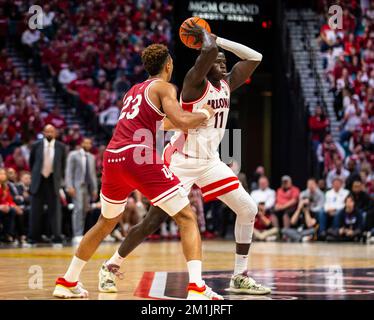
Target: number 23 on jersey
x,y
133,112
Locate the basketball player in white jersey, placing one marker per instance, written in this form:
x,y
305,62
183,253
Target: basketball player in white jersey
x,y
194,157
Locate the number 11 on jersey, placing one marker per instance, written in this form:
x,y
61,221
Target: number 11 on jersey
x,y
218,119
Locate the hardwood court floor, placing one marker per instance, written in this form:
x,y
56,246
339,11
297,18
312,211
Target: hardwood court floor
x,y
158,257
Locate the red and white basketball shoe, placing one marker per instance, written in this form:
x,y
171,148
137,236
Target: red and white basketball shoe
x,y
201,293
67,290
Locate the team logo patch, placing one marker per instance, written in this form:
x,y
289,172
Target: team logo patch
x,y
331,283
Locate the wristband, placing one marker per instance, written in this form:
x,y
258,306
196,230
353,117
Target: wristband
x,y
206,112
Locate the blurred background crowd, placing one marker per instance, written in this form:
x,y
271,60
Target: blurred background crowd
x,y
88,55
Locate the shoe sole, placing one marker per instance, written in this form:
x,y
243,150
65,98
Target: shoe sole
x,y
63,293
107,291
248,291
194,296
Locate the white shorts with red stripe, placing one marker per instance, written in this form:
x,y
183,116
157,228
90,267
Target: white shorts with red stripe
x,y
212,176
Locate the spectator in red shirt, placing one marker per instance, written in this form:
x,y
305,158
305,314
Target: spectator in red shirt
x,y
327,37
74,137
286,201
88,94
55,118
264,230
17,161
7,209
349,22
7,129
318,125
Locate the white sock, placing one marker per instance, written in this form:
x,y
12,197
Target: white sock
x,y
75,269
241,263
115,259
194,272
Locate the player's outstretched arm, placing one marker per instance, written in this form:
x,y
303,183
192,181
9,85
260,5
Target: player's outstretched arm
x,y
181,119
195,77
242,70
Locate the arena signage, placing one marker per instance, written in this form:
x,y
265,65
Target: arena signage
x,y
224,11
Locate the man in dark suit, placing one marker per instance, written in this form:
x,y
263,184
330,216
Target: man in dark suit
x,y
47,164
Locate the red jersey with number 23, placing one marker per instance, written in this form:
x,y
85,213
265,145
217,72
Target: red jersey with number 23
x,y
138,113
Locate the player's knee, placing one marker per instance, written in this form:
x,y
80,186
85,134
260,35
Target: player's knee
x,y
185,216
151,225
247,208
106,225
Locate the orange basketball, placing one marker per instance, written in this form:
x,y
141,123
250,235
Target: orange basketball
x,y
189,40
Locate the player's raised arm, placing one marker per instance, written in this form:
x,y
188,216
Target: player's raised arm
x,y
181,119
242,70
195,77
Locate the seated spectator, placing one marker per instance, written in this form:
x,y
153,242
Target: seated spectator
x,y
338,171
6,146
17,161
362,200
327,152
23,187
322,185
7,129
55,118
334,201
264,193
318,125
21,198
259,172
121,85
30,37
74,137
303,224
8,209
264,229
367,179
108,119
327,37
348,223
89,94
353,173
67,74
315,196
351,121
287,197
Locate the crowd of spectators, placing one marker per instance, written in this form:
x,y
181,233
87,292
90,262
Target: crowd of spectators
x,y
91,52
336,213
346,164
348,54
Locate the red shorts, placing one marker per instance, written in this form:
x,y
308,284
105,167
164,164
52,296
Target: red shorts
x,y
122,174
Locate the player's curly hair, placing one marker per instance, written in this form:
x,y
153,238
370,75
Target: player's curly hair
x,y
154,58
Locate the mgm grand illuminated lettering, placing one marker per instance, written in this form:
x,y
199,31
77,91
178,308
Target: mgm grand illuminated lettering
x,y
229,11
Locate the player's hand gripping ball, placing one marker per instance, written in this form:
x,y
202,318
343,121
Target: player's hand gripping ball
x,y
191,32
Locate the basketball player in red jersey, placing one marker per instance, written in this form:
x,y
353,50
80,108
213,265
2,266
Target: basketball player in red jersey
x,y
131,162
194,158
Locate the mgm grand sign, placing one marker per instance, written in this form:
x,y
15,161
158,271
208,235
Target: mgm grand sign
x,y
224,11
